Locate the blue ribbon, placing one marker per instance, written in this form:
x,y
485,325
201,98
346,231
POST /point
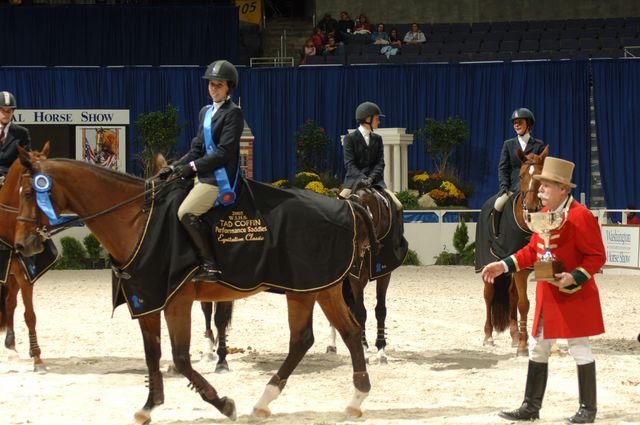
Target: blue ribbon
x,y
42,185
227,194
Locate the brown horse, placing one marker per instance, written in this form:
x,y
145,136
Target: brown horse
x,y
507,297
16,277
379,206
76,187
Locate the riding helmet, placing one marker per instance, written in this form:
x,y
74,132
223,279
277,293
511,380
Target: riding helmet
x,y
222,70
7,100
367,109
524,113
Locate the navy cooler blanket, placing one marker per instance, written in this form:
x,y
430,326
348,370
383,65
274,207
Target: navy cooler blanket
x,y
34,266
289,239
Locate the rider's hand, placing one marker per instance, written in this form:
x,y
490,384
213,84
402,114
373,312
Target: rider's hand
x,y
503,190
165,172
184,171
367,182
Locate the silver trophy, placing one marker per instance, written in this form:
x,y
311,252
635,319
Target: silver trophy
x,y
543,223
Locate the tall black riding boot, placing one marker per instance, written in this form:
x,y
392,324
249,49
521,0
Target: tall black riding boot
x,y
586,413
496,215
534,391
199,233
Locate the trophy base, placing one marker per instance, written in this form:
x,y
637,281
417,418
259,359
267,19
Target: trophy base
x,y
546,270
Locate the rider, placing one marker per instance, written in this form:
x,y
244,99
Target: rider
x,y
509,167
227,123
11,134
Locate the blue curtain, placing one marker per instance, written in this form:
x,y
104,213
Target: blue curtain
x,y
80,35
616,94
276,102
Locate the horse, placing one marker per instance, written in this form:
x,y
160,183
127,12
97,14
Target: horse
x,y
118,220
222,315
16,279
379,206
507,296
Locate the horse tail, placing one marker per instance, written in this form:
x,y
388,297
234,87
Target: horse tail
x,y
4,293
223,314
373,241
500,303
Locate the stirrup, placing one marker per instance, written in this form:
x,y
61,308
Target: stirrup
x,y
208,272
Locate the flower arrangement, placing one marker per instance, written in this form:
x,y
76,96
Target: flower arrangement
x,y
317,187
424,182
447,194
445,191
282,183
303,178
311,146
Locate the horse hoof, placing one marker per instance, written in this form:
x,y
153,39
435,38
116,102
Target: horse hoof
x,y
171,370
229,408
353,412
222,368
488,342
261,413
522,352
13,356
142,417
40,369
383,360
331,350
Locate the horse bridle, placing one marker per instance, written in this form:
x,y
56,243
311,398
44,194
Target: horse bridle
x,y
530,189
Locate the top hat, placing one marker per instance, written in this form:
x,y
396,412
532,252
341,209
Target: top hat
x,y
557,170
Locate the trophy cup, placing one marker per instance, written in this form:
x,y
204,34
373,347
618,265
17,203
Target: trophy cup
x,y
543,223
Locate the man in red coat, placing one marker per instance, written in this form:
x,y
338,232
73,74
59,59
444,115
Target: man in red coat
x,y
568,307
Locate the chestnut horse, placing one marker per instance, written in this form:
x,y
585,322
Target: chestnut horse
x,y
379,207
507,297
76,187
16,278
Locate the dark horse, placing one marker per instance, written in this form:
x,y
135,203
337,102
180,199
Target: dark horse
x,y
383,214
16,275
76,187
507,296
221,315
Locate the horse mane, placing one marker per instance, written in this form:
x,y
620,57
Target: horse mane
x,y
103,171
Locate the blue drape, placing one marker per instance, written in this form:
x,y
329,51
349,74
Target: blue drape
x,y
276,101
616,94
118,35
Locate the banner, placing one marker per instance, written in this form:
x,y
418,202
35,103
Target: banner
x,y
250,11
621,244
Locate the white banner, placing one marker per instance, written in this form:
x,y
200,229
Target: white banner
x,y
621,244
72,116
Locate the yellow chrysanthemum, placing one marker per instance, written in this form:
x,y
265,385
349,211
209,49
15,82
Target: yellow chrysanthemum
x,y
421,177
317,187
308,174
280,183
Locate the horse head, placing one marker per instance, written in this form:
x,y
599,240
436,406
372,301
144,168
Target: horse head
x,y
531,165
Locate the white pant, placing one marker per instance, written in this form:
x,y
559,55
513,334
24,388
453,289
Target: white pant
x,y
344,193
501,201
539,348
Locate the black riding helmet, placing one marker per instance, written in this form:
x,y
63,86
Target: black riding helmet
x,y
222,70
366,110
526,114
7,100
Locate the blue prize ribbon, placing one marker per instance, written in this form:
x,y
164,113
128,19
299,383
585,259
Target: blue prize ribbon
x,y
227,194
42,185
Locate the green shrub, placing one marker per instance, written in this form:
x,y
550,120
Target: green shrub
x,y
409,200
303,178
460,237
411,259
468,255
73,254
446,258
94,252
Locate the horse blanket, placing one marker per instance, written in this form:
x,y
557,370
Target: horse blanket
x,y
34,266
286,239
510,238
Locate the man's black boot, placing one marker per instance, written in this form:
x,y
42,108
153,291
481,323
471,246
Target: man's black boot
x,y
496,215
586,413
199,233
533,394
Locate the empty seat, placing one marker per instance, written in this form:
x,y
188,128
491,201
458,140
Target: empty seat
x,y
524,56
450,49
611,32
537,25
360,59
480,27
315,60
474,36
470,47
354,49
529,45
512,36
609,43
500,26
625,42
549,45
403,29
598,22
412,48
410,58
569,44
570,33
509,46
489,46
633,21
555,25
335,59
460,27
589,33
609,53
589,44
531,35
440,28
436,37
574,24
427,48
454,37
549,35
626,32
494,36
484,57
371,49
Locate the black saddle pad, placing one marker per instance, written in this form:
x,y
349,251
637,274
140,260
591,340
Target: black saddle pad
x,y
34,266
287,239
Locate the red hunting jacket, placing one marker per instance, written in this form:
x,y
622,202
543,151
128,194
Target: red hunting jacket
x,y
578,244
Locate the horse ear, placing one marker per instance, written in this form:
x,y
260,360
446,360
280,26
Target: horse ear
x,y
45,149
23,154
545,151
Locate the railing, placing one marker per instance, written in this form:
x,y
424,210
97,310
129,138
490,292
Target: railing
x,y
273,62
631,51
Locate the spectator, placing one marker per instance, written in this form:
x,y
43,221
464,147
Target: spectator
x,y
394,40
415,35
362,27
309,50
318,39
327,23
380,36
331,48
345,24
632,218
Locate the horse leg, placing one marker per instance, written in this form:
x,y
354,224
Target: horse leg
x,y
11,302
222,319
209,339
520,279
358,308
348,298
513,311
178,317
30,319
488,325
150,328
331,347
300,315
382,284
339,316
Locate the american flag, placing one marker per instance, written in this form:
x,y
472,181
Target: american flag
x,y
89,156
